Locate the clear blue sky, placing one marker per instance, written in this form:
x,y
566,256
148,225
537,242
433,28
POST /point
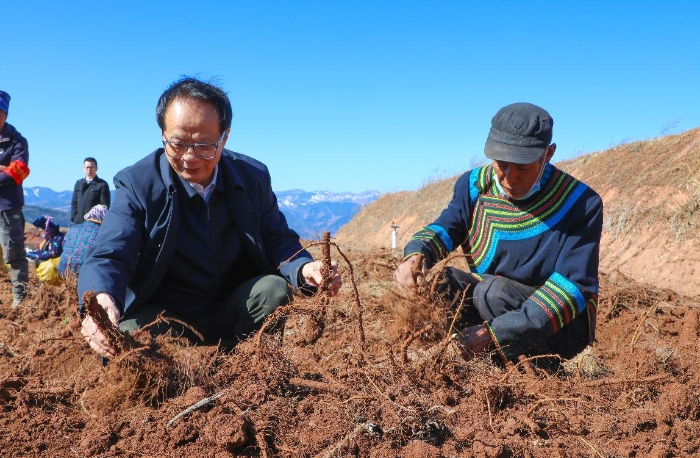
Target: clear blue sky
x,y
345,95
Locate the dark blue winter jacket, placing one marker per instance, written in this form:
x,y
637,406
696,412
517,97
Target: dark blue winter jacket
x,y
13,147
139,234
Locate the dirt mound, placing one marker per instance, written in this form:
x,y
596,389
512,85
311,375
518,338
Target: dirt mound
x,y
366,373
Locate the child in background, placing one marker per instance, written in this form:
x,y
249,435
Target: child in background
x,y
52,244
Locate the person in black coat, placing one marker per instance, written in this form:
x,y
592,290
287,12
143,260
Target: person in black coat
x,y
88,192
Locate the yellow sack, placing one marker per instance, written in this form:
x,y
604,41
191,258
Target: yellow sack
x,y
47,272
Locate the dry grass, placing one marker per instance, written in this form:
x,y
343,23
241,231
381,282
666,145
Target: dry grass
x,y
665,190
371,227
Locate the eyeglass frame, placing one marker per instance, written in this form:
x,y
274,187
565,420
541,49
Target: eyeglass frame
x,y
193,146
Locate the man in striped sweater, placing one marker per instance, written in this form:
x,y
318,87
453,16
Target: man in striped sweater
x,y
531,237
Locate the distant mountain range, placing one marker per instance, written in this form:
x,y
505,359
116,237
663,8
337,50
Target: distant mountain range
x,y
310,213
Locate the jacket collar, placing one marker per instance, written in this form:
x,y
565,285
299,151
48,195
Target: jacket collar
x,y
234,178
165,169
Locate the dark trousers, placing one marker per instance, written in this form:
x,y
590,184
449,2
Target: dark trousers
x,y
493,296
239,315
12,243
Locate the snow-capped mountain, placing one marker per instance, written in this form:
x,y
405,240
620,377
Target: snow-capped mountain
x,y
310,213
313,213
48,198
297,197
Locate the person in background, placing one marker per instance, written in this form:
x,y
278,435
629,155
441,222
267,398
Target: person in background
x,y
51,245
78,239
194,233
14,160
531,236
88,192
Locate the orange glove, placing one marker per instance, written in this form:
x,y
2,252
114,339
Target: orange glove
x,y
18,170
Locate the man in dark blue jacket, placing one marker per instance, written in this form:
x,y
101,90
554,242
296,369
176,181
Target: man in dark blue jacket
x,y
14,157
531,237
194,232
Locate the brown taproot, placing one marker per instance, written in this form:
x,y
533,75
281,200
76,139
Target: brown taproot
x,y
99,316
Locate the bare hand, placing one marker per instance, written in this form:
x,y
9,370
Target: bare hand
x,y
93,336
474,339
311,272
410,274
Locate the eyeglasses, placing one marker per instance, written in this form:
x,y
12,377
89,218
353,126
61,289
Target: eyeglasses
x,y
178,150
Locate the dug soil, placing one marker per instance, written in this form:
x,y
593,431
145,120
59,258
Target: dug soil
x,y
367,373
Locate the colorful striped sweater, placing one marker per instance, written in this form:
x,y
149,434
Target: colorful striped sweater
x,y
550,241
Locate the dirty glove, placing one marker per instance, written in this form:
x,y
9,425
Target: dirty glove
x,y
18,170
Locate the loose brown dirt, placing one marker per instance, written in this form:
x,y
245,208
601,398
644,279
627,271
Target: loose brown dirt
x,y
376,378
371,374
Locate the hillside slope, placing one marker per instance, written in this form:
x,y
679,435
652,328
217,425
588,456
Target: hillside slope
x,y
651,193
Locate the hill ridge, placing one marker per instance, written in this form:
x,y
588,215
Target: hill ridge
x,y
651,195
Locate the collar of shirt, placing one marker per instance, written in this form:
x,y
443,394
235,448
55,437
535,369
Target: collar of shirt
x,y
206,192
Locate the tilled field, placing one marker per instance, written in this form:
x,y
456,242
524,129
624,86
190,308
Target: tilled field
x,y
367,373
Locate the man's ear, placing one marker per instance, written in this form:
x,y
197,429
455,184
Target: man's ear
x,y
550,151
223,142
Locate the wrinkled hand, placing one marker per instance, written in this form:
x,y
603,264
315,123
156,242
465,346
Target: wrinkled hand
x,y
93,336
474,340
409,275
311,273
